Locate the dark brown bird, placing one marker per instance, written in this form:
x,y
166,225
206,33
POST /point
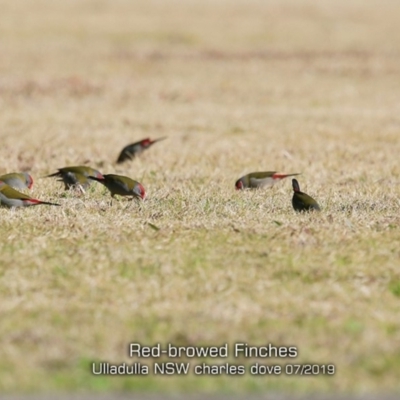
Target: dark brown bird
x,y
132,150
302,201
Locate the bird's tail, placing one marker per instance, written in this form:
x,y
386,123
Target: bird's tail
x,y
94,178
281,175
58,173
40,202
124,157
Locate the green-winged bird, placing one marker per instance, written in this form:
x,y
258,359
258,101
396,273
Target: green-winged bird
x,y
260,179
17,180
302,201
76,176
130,151
121,185
10,197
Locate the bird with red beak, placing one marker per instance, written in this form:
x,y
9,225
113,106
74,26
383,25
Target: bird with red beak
x,y
122,186
10,198
256,180
17,180
130,151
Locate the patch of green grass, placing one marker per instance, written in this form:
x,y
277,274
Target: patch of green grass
x,y
395,288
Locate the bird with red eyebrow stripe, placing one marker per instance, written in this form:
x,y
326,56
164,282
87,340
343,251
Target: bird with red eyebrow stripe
x,y
121,185
130,151
76,176
260,179
10,197
18,180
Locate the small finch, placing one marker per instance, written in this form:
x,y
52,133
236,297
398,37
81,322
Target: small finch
x,y
260,179
17,180
10,197
132,150
121,185
302,201
76,176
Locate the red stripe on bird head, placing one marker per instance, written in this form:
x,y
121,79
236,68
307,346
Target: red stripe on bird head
x,y
239,184
142,192
30,181
146,142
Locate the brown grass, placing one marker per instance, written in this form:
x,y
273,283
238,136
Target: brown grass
x,y
237,86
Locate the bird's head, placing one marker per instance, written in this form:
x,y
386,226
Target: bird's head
x,y
29,180
140,191
146,142
239,184
295,185
99,175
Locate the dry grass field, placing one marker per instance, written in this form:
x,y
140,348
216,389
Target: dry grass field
x,y
237,86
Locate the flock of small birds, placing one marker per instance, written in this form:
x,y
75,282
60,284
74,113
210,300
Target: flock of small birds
x,y
80,178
